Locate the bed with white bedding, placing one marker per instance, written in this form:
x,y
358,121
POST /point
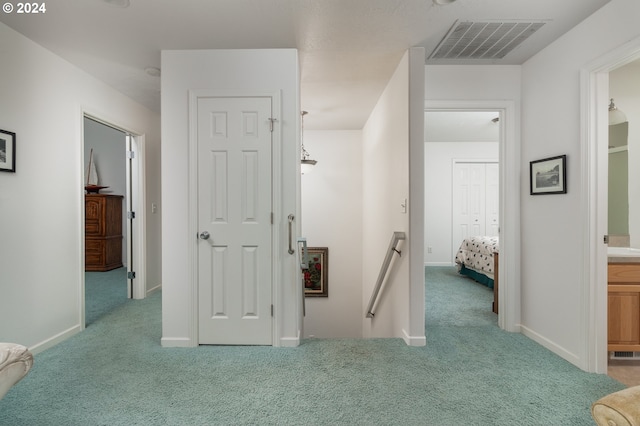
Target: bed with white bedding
x,y
476,259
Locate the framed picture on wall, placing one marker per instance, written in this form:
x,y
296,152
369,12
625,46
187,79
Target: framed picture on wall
x,y
7,151
316,283
548,176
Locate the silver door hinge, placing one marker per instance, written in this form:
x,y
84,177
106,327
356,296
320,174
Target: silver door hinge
x,y
272,218
131,215
606,239
271,121
131,154
131,275
271,310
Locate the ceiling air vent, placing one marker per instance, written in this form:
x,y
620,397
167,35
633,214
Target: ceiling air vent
x,y
483,40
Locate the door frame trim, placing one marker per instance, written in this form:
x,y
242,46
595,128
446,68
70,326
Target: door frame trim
x,y
140,237
594,98
276,154
509,155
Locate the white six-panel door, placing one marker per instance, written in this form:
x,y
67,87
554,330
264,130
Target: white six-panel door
x,y
234,218
476,201
492,197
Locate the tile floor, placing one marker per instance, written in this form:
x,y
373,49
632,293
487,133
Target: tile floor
x,y
626,372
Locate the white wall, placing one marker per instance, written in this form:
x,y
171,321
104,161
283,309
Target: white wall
x,y
491,88
352,200
553,287
624,87
332,217
438,164
385,187
472,82
228,70
109,157
42,204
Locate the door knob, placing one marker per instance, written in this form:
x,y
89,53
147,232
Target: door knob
x,y
204,235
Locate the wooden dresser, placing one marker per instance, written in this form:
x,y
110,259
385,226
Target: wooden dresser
x,y
103,232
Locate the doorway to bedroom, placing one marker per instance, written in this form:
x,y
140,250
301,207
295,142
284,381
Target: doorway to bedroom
x,y
462,186
113,271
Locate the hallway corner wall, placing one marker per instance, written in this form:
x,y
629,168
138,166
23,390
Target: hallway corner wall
x,y
332,217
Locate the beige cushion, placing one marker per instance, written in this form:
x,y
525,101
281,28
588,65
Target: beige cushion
x,y
15,363
620,408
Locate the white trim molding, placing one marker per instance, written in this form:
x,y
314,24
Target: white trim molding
x,y
176,342
54,340
509,268
140,236
594,101
546,343
413,340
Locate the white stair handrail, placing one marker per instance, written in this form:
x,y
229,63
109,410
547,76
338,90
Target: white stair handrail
x,y
397,236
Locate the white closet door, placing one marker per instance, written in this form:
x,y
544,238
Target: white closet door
x,y
492,220
468,202
234,217
476,198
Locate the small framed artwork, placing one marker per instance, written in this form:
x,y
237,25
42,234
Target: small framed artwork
x,y
316,283
548,176
7,151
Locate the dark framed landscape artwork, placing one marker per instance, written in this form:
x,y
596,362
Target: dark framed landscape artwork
x,y
316,283
7,151
548,176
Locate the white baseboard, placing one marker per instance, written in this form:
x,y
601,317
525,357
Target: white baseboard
x,y
439,264
414,340
290,342
52,341
558,350
176,342
154,289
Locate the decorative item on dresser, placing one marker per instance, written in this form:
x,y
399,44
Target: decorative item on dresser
x,y
103,232
91,184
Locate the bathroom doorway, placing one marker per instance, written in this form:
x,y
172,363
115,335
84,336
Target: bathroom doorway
x,y
596,99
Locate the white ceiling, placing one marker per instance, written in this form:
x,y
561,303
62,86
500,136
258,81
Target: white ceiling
x,y
348,48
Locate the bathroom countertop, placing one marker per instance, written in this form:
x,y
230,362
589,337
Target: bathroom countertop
x,y
624,259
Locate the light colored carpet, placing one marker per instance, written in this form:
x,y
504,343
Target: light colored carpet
x,y
104,292
470,373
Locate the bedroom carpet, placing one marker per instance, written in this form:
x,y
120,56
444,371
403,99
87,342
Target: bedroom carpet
x,y
104,291
470,373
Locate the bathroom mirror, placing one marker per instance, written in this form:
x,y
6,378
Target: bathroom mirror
x,y
619,183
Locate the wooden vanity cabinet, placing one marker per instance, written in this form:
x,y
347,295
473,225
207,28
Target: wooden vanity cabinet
x,y
623,307
103,232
